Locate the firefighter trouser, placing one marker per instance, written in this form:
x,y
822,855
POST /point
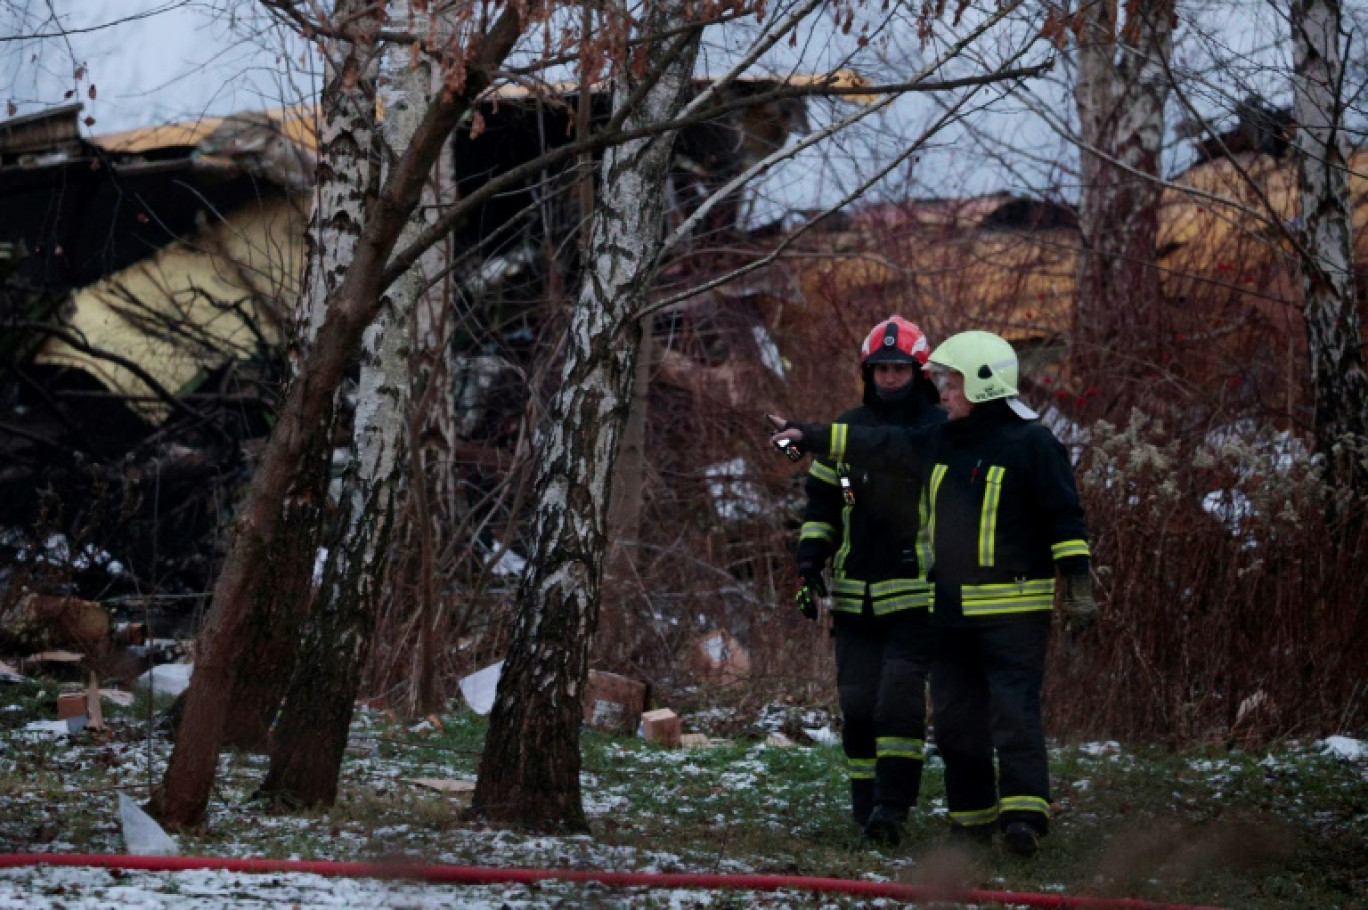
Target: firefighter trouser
x,y
881,669
985,690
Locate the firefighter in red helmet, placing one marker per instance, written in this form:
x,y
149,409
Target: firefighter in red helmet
x,y
1009,535
867,525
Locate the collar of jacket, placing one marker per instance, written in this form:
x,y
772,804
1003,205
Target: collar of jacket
x,y
984,420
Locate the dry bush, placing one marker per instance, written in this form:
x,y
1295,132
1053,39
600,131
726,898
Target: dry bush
x,y
1231,611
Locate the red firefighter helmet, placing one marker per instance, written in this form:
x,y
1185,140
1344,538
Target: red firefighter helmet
x,y
895,340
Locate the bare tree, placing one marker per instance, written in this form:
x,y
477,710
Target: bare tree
x,y
183,796
1121,85
529,772
346,132
1334,336
307,749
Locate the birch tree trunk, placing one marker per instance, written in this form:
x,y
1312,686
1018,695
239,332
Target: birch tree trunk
x,y
346,132
1121,88
312,734
306,759
432,477
180,801
629,476
1333,333
530,769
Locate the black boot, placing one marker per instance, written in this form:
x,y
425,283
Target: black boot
x,y
861,801
972,835
885,825
1021,839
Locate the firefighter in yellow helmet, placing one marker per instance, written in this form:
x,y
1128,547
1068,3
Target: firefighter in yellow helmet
x,y
867,525
1007,531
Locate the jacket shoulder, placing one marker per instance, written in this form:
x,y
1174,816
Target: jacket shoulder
x,y
859,415
1038,437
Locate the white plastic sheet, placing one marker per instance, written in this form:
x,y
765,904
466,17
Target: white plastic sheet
x,y
142,835
479,687
166,679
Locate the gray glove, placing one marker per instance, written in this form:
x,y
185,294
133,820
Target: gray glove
x,y
1078,604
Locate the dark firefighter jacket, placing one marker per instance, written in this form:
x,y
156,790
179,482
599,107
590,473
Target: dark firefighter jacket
x,y
1004,508
877,545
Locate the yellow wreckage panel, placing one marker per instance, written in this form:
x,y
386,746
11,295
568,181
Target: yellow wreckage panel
x,y
296,124
1209,226
193,307
1018,284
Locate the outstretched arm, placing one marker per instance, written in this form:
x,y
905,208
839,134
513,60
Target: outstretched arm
x,y
888,448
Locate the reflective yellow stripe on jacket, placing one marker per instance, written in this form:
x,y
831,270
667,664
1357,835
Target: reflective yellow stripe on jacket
x,y
937,475
839,434
1070,548
1013,597
899,594
824,473
988,518
924,534
847,594
818,530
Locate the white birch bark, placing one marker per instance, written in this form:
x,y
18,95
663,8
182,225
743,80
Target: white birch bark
x,y
336,642
431,491
1121,88
529,772
1333,332
346,134
248,648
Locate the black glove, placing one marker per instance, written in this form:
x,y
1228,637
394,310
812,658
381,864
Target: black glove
x,y
1078,604
812,577
813,587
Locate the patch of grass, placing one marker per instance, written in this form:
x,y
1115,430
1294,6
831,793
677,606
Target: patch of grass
x,y
1282,827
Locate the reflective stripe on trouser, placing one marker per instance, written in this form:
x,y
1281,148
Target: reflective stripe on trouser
x,y
985,685
881,670
861,774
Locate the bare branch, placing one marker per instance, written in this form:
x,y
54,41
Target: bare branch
x,y
609,135
788,241
67,32
780,154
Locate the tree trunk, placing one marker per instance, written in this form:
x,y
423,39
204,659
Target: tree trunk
x,y
313,728
1333,332
283,593
183,796
432,479
530,769
616,638
312,735
1121,88
629,478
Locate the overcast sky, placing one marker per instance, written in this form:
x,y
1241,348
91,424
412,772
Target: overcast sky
x,y
155,61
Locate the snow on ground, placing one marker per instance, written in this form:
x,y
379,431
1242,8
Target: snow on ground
x,y
38,824
88,888
1345,748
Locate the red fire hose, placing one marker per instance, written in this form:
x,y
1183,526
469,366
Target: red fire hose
x,y
487,875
